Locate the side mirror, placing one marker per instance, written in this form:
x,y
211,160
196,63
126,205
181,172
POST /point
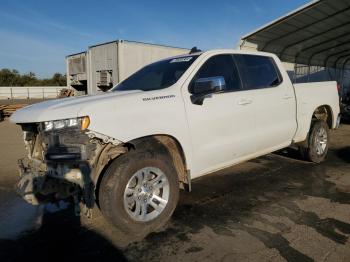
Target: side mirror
x,y
209,85
205,87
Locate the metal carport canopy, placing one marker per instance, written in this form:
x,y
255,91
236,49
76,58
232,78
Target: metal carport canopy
x,y
316,34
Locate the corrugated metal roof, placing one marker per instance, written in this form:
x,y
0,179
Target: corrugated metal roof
x,y
315,34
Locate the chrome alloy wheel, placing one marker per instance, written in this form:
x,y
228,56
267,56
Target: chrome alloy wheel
x,y
146,194
321,141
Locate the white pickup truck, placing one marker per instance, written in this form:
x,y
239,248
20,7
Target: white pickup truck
x,y
131,149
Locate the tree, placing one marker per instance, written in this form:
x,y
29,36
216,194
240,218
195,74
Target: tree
x,y
59,79
14,78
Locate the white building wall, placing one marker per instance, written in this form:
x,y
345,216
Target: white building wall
x,y
30,92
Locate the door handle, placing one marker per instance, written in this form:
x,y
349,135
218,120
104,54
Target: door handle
x,y
286,96
244,101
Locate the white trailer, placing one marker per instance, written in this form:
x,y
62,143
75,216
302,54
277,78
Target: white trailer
x,y
30,92
105,65
77,73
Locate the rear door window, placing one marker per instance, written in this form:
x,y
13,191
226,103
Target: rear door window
x,y
258,72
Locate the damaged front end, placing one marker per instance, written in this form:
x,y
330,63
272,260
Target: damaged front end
x,y
64,159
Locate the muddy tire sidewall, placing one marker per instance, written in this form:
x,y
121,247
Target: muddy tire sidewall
x,y
311,152
114,182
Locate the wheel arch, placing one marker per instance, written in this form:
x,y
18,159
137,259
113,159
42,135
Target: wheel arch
x,y
324,113
162,142
172,146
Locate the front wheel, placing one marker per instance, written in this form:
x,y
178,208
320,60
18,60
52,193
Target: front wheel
x,y
318,143
139,192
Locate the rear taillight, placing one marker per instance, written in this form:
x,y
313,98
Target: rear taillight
x,y
338,87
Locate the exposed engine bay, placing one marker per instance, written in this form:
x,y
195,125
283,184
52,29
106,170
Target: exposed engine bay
x,y
64,163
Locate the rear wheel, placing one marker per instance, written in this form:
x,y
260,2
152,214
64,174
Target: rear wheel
x,y
139,192
318,143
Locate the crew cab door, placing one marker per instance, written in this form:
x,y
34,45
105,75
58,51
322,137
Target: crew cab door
x,y
222,129
274,101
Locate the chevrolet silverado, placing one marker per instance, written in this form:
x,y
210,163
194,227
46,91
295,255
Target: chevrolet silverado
x,y
131,149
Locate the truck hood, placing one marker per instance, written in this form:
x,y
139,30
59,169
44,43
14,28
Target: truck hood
x,y
65,108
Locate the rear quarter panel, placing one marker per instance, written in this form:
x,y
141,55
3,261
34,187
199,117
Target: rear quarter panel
x,y
309,97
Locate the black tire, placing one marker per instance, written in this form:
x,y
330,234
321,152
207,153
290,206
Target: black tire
x,y
115,180
309,153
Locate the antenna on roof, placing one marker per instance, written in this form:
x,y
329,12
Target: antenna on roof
x,y
195,50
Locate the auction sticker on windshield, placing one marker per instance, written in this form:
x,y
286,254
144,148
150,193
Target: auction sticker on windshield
x,y
182,59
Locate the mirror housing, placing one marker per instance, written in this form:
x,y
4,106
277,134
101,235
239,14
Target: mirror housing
x,y
209,85
205,87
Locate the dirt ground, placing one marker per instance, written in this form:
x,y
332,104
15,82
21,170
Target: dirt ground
x,y
275,208
20,101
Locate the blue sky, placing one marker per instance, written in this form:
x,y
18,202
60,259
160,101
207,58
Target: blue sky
x,y
36,35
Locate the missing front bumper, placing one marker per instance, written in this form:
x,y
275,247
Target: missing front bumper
x,y
41,184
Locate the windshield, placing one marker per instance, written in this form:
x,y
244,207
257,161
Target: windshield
x,y
158,75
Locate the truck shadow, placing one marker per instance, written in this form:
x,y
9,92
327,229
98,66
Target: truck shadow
x,y
61,237
290,153
344,154
253,202
251,199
